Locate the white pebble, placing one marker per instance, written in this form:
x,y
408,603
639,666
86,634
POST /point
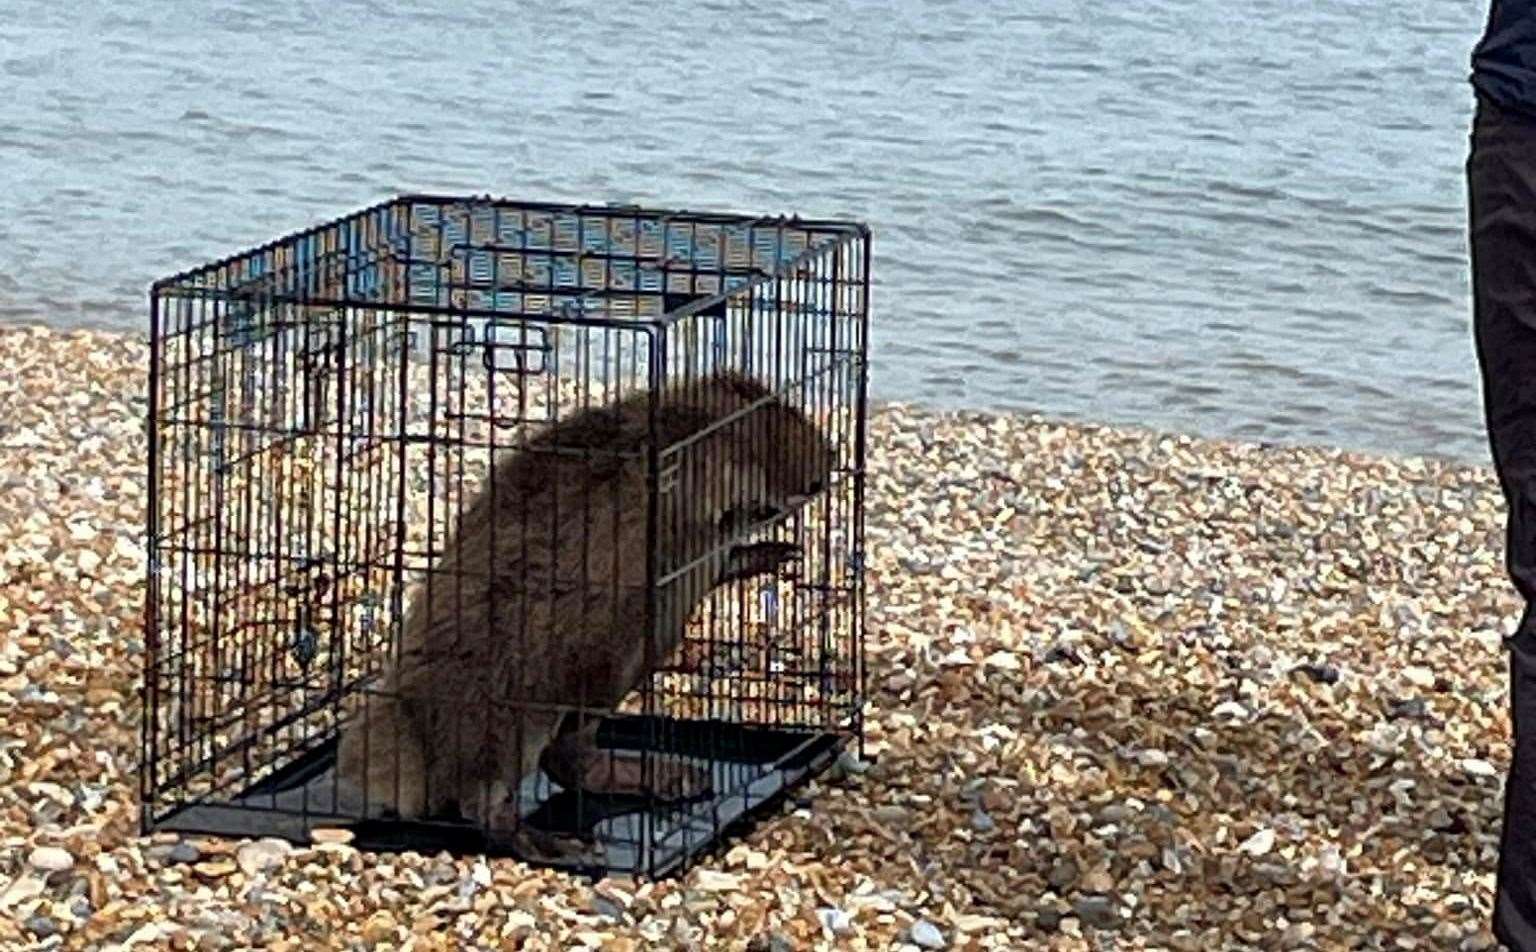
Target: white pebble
x,y
25,887
1005,660
927,935
1479,768
1259,843
481,874
835,920
262,855
1152,758
148,932
711,881
50,859
1230,709
1331,862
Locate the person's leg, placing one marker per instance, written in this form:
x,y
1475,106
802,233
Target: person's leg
x,y
1501,175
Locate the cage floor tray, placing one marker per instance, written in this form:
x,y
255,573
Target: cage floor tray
x,y
752,769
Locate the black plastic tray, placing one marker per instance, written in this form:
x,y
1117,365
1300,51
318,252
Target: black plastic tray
x,y
753,769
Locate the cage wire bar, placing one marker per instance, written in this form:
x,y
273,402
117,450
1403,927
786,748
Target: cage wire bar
x,y
325,409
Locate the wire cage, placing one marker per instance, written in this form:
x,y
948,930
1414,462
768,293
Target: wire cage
x,y
513,528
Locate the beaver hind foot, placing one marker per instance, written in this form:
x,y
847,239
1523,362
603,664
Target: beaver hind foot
x,y
575,762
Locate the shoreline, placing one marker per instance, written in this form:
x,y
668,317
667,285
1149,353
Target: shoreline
x,y
10,325
1127,689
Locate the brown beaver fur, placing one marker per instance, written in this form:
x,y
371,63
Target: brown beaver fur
x,y
537,607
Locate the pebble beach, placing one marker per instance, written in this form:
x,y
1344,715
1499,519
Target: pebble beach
x,y
1127,690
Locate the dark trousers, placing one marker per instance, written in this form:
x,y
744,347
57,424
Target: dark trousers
x,y
1501,178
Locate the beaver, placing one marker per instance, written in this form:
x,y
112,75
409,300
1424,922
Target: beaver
x,y
533,624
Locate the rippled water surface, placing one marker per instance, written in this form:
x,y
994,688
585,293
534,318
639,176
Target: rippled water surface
x,y
1241,219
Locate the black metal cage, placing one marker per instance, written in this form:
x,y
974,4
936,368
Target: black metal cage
x,y
430,483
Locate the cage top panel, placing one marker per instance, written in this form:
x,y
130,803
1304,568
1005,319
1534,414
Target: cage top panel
x,y
467,254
